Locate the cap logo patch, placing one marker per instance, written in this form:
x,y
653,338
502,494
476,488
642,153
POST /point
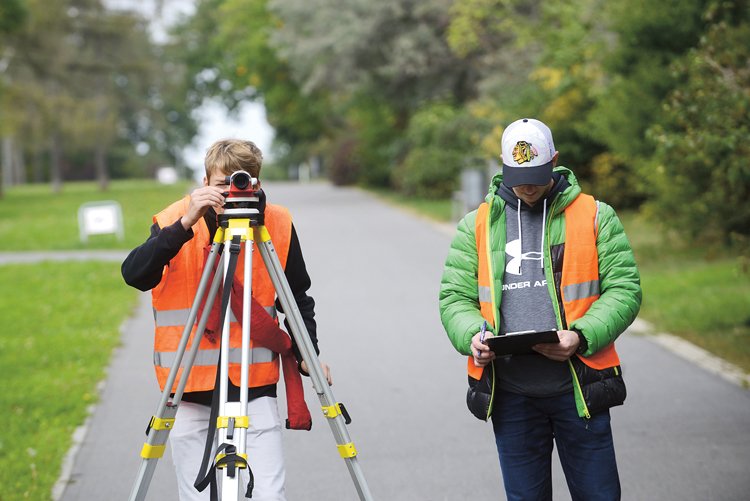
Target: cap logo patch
x,y
524,152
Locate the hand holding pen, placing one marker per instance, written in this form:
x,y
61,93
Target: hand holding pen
x,y
479,348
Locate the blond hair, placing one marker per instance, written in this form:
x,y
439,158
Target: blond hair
x,y
230,155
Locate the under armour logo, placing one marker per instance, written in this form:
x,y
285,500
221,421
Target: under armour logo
x,y
513,249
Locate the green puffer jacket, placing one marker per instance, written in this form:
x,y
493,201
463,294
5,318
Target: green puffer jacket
x,y
619,280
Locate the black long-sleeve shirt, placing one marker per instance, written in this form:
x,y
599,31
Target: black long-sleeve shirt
x,y
144,265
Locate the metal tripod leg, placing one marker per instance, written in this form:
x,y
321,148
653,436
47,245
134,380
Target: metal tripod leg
x,y
331,409
163,419
233,421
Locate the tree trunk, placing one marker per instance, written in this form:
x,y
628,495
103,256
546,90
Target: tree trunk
x,y
19,165
7,161
100,160
38,169
55,163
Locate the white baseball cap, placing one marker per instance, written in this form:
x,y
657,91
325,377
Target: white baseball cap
x,y
528,150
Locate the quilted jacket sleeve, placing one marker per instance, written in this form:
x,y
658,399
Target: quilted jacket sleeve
x,y
459,296
619,285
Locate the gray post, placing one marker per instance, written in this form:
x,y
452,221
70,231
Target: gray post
x,y
474,183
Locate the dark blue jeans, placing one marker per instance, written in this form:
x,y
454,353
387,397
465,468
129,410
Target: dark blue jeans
x,y
524,430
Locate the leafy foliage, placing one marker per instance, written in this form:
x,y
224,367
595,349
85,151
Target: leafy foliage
x,y
226,46
81,82
12,15
702,180
377,63
404,94
439,137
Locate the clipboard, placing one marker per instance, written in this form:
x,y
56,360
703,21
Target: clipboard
x,y
520,343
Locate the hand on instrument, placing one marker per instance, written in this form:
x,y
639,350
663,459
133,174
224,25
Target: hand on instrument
x,y
200,200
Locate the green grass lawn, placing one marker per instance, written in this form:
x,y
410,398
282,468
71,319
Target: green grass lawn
x,y
60,324
700,294
34,218
437,209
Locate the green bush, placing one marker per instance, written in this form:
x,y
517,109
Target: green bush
x,y
362,147
615,182
440,141
703,178
429,172
343,168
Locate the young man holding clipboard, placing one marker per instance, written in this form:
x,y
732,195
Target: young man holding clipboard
x,y
537,256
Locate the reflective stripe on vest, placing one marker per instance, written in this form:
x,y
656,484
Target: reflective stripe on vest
x,y
580,276
211,357
485,294
173,297
582,290
170,318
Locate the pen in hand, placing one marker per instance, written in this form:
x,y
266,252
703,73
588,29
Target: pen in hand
x,y
482,332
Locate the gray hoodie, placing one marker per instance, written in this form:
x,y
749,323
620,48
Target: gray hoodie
x,y
526,303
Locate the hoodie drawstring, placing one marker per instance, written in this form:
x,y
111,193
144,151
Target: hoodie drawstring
x,y
520,236
544,228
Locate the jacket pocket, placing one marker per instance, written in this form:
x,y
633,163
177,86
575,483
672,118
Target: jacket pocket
x,y
601,389
479,394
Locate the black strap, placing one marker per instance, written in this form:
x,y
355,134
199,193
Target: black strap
x,y
232,462
207,475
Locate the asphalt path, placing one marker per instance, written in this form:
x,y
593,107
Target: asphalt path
x,y
681,435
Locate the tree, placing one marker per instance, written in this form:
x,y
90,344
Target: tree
x,y
83,82
378,63
595,71
702,179
12,17
226,46
394,49
441,139
110,56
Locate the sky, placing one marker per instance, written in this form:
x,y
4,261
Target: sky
x,y
214,120
215,124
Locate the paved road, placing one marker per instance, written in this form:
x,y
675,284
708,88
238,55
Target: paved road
x,y
375,271
85,255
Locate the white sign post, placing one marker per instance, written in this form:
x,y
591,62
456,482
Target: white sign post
x,y
97,218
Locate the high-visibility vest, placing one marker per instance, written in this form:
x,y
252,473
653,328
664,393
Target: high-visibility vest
x,y
174,295
579,286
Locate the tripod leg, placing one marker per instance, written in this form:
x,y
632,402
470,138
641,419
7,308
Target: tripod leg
x,y
233,422
246,357
331,409
163,419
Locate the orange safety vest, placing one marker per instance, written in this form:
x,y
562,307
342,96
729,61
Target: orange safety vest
x,y
579,286
174,295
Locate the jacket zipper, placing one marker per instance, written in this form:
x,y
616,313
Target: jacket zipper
x,y
578,391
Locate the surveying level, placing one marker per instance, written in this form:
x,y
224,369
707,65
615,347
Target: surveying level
x,y
241,221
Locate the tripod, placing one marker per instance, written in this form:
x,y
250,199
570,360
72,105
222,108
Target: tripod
x,y
241,222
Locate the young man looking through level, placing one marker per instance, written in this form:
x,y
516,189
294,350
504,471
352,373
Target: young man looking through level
x,y
170,264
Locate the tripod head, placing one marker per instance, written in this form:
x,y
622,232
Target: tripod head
x,y
245,200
